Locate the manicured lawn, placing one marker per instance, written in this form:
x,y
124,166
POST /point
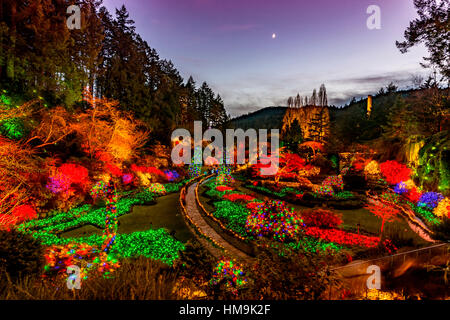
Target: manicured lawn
x,y
84,231
164,214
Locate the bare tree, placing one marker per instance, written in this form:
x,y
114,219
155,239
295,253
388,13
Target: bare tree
x,y
298,101
290,102
323,99
314,98
416,81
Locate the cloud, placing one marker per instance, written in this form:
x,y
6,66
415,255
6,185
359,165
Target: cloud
x,y
383,79
341,91
255,91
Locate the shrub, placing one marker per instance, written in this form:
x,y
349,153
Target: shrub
x,y
228,276
372,168
157,188
24,212
20,254
443,209
75,173
336,182
13,128
223,188
280,273
395,172
325,191
195,261
342,237
413,195
234,214
400,188
344,195
321,218
275,220
430,199
236,197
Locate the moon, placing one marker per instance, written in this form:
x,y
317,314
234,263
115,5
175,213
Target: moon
x,y
274,35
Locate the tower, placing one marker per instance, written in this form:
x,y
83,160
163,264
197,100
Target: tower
x,y
369,106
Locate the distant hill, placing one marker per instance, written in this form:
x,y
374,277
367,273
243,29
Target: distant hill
x,y
267,118
272,117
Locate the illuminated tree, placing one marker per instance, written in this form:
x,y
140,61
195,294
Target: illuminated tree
x,y
383,211
289,165
17,167
314,146
53,128
23,111
103,128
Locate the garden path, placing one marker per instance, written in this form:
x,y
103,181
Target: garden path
x,y
205,228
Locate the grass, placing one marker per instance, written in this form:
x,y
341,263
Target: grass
x,y
136,279
154,231
163,214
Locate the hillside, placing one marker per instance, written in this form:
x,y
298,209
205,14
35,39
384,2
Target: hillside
x,y
266,118
350,116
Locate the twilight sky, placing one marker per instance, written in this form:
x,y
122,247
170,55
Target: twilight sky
x,y
229,44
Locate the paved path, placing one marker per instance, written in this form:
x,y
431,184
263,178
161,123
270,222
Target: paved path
x,y
205,228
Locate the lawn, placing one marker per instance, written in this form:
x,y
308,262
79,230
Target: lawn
x,y
163,214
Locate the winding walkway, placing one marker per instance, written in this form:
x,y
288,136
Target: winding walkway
x,y
205,228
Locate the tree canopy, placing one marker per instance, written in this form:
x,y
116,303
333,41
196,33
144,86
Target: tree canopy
x,y
41,57
432,28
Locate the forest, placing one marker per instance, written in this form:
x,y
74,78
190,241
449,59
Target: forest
x,y
41,58
93,206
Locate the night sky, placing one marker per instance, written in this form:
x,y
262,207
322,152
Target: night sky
x,y
229,44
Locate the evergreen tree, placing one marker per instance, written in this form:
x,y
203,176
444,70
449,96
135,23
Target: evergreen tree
x,y
293,136
432,29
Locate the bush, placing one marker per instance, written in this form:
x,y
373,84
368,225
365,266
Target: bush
x,y
195,261
280,273
395,172
273,219
234,215
321,218
20,254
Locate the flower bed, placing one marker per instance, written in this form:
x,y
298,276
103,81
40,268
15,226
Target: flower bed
x,y
342,237
318,231
321,218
